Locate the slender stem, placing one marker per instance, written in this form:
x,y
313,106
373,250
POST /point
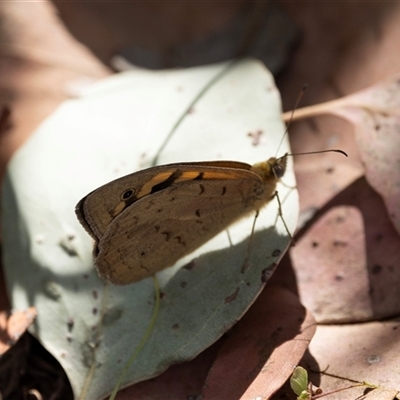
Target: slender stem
x,y
143,341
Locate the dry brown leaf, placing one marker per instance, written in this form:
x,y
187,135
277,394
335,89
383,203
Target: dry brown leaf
x,y
375,115
181,381
261,351
347,262
382,394
13,325
347,269
351,246
365,352
37,69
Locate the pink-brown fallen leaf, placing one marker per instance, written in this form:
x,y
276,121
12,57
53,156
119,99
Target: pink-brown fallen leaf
x,y
181,381
375,114
12,326
347,268
351,61
37,69
347,262
261,351
382,394
343,354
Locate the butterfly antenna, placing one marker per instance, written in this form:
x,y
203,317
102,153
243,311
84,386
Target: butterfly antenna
x,y
320,151
299,97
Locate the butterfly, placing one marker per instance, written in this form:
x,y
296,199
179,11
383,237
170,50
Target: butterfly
x,y
144,222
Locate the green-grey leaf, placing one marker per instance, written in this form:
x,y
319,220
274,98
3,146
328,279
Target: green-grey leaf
x,y
123,124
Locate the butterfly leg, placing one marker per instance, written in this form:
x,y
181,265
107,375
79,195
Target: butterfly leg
x,y
246,264
280,214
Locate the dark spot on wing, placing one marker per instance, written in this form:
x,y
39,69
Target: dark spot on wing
x,y
179,240
197,212
128,197
95,250
167,183
143,266
223,190
127,194
150,204
166,235
199,176
201,189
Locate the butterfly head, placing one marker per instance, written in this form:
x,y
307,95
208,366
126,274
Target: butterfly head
x,y
271,170
278,166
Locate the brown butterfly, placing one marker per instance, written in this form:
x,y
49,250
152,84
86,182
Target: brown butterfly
x,y
146,221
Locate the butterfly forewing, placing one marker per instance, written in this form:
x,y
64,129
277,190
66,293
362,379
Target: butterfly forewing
x,y
155,232
99,208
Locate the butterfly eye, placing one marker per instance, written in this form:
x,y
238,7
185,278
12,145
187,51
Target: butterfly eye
x,y
127,194
278,170
278,166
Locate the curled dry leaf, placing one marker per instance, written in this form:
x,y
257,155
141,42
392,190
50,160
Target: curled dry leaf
x,y
346,257
375,114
